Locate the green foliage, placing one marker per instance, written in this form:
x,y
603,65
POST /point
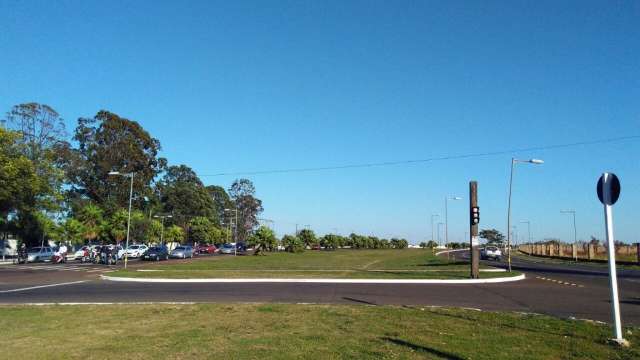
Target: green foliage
x,y
91,218
184,196
399,243
118,225
263,240
293,244
493,236
432,244
174,233
242,192
201,229
72,230
308,237
331,241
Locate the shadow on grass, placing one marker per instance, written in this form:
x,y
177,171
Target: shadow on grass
x,y
415,347
359,301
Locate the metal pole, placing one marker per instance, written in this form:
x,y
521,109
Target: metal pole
x,y
128,221
513,162
575,235
162,232
446,222
235,235
613,280
432,229
439,239
474,248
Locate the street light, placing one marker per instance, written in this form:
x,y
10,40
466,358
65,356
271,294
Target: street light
x,y
433,216
514,161
129,175
439,241
235,233
575,236
528,229
162,230
446,217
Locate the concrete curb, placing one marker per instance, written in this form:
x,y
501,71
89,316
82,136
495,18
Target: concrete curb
x,y
321,281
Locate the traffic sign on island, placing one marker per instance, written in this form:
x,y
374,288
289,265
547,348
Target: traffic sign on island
x,y
608,190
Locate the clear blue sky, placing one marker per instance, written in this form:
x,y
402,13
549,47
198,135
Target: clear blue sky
x,y
243,86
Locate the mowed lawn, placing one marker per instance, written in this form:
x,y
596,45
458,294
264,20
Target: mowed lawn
x,y
382,264
279,331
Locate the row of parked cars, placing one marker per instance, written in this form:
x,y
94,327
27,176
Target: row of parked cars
x,y
141,251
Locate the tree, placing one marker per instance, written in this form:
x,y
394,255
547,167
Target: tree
x,y
493,237
308,237
432,244
292,244
91,218
118,225
184,196
330,241
40,125
174,234
72,230
201,229
221,201
242,193
262,240
108,142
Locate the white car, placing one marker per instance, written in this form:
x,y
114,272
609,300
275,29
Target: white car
x,y
491,253
39,254
136,251
80,253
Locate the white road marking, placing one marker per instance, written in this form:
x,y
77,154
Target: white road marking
x,y
41,286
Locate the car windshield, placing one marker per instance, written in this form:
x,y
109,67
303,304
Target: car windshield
x,y
491,248
227,246
36,249
134,247
180,248
155,249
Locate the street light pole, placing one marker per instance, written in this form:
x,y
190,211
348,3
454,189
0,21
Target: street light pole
x,y
446,217
130,175
439,240
575,236
513,166
432,232
162,217
528,229
235,232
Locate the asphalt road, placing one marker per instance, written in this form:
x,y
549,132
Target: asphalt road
x,y
554,289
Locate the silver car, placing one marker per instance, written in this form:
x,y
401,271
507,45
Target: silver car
x,y
182,252
40,253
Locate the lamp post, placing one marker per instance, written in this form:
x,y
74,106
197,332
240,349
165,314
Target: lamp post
x,y
162,217
432,232
439,241
528,229
514,161
129,175
446,217
235,232
575,236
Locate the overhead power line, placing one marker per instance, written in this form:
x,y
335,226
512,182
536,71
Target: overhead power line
x,y
438,158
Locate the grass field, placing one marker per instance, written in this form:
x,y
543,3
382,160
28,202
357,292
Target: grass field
x,y
361,264
279,331
581,262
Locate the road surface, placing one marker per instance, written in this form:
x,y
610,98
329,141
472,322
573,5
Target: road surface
x,y
554,289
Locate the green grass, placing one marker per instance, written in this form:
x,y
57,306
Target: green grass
x,y
349,264
279,331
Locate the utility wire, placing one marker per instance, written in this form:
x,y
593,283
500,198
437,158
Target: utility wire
x,y
440,158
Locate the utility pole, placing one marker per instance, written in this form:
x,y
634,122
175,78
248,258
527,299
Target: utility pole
x,y
474,220
432,229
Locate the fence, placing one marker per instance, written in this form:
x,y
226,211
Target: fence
x,y
583,251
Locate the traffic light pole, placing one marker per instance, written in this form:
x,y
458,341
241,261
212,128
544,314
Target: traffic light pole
x,y
474,220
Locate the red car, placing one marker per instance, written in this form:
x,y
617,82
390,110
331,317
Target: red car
x,y
207,249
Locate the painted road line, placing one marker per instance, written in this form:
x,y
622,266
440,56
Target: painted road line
x,y
41,286
320,281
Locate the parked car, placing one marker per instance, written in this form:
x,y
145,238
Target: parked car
x,y
182,252
228,249
156,253
83,254
491,253
207,249
136,251
40,253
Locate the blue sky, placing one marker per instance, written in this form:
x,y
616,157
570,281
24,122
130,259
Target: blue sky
x,y
243,86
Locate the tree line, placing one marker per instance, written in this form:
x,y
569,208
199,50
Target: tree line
x,y
57,186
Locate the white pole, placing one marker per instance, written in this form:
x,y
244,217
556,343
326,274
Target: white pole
x,y
613,277
128,221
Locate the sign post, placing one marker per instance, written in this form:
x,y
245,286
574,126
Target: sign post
x,y
608,189
474,220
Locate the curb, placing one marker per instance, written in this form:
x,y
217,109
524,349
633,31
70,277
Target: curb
x,y
320,281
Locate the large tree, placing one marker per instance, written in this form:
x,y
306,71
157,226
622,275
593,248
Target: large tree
x,y
221,201
242,193
108,142
263,240
492,236
184,196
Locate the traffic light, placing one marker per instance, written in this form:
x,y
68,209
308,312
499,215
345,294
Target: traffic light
x,y
475,215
